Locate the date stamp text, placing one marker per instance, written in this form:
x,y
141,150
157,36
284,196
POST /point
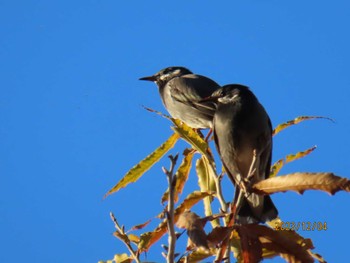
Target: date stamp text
x,y
304,226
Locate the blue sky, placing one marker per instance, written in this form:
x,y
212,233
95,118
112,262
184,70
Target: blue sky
x,y
72,122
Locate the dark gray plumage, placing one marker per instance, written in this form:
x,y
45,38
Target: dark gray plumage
x,y
177,86
241,125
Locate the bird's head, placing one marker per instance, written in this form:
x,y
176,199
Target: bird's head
x,y
226,94
167,74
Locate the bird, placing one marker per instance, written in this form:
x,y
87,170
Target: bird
x,y
243,138
177,86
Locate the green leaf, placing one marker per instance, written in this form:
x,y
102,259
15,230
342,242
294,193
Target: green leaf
x,y
277,166
297,120
138,170
206,184
181,175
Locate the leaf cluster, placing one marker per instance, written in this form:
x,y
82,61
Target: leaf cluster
x,y
247,243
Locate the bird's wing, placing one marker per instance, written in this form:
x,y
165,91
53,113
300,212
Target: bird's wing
x,y
191,89
266,155
263,142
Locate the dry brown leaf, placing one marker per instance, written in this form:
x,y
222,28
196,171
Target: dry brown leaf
x,y
277,223
272,240
301,182
197,238
195,230
250,244
281,252
149,238
187,219
140,226
218,234
195,257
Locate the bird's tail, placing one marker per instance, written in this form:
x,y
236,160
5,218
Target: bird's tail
x,y
249,212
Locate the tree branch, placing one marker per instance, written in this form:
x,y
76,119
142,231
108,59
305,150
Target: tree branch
x,y
124,238
170,212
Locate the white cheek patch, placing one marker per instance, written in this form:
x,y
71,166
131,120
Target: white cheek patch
x,y
228,99
176,72
163,77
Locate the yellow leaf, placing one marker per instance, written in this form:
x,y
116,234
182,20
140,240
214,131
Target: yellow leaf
x,y
138,170
133,238
296,121
276,167
192,137
206,184
298,155
187,133
119,258
235,245
197,256
289,158
190,201
122,237
147,239
122,258
181,175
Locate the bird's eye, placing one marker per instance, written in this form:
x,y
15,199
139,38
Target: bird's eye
x,y
168,70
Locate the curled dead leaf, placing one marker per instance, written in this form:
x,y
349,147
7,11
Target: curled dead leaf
x,y
195,230
301,182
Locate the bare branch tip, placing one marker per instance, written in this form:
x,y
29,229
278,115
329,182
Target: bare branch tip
x,y
165,170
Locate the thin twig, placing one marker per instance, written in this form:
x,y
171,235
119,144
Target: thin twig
x,y
170,212
243,187
253,166
125,241
220,197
